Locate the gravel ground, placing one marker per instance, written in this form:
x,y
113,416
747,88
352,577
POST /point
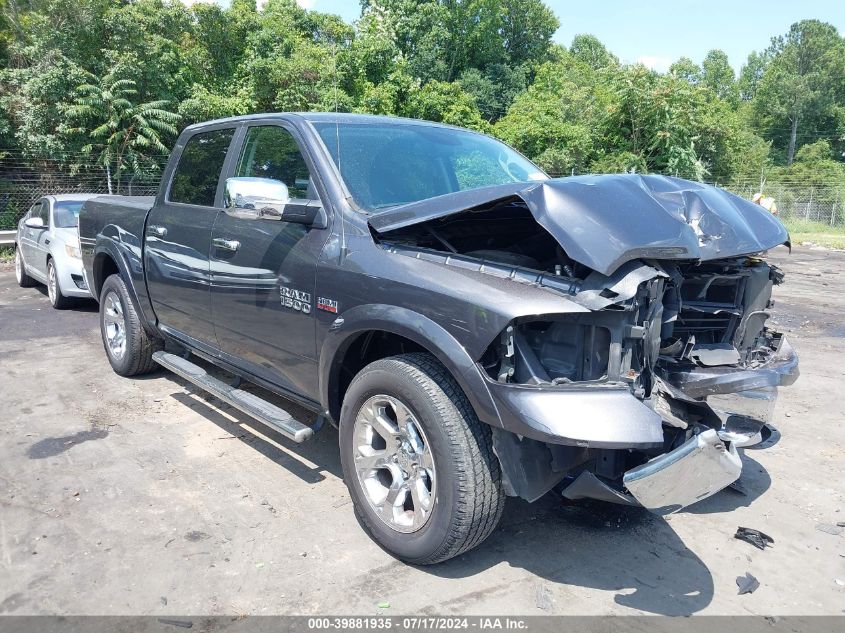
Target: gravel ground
x,y
146,497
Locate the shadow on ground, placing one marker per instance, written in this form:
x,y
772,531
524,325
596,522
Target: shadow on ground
x,y
322,453
592,544
596,545
52,446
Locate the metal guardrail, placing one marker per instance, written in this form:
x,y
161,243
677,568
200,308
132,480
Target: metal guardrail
x,y
7,237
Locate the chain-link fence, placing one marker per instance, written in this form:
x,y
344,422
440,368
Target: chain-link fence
x,y
24,180
820,205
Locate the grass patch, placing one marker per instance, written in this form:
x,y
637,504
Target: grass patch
x,y
823,234
829,240
7,253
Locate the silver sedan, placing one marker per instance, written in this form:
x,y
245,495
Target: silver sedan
x,y
47,248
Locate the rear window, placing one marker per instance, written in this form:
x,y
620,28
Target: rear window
x,y
196,176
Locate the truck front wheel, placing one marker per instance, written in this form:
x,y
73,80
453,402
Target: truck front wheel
x,y
418,463
128,345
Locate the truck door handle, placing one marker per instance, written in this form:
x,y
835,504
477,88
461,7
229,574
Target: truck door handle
x,y
158,231
226,245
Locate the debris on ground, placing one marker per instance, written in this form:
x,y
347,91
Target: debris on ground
x,y
758,539
827,528
543,599
738,488
747,583
839,582
384,605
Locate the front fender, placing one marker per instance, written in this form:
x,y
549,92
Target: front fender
x,y
415,327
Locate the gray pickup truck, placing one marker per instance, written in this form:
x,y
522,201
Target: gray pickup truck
x,y
474,329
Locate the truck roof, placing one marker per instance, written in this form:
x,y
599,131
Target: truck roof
x,y
322,117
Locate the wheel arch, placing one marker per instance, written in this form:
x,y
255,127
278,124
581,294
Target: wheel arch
x,y
108,261
368,333
103,266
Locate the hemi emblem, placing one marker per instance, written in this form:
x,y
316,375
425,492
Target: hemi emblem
x,y
329,305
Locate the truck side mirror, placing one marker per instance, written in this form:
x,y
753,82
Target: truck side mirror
x,y
267,199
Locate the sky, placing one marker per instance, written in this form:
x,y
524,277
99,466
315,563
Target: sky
x,y
658,32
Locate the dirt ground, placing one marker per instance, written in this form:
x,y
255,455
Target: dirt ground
x,y
143,496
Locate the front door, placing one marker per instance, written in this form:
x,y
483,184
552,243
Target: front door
x,y
263,270
178,236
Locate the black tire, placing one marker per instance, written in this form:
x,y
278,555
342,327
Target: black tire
x,y
139,346
24,280
469,499
54,290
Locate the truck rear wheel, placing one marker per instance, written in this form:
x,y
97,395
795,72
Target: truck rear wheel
x,y
128,345
418,463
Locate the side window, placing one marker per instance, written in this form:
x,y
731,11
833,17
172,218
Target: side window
x,y
44,213
271,152
34,210
196,176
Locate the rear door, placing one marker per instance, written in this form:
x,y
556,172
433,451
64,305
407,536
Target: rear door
x,y
178,236
41,240
27,237
263,269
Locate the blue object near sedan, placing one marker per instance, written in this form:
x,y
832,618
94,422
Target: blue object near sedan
x,y
47,249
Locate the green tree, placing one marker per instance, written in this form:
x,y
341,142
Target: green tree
x,y
558,121
751,75
124,136
495,88
718,76
441,39
446,103
802,82
589,50
687,70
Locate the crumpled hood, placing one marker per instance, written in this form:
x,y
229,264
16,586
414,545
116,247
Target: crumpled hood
x,y
604,221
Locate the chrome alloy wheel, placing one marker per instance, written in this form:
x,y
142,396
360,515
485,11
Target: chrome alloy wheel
x,y
394,463
51,282
114,325
18,265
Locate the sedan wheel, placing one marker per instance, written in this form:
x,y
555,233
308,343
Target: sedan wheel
x,y
24,280
54,291
51,283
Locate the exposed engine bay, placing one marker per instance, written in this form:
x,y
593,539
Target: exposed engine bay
x,y
686,336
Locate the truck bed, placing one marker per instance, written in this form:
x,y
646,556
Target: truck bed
x,y
119,220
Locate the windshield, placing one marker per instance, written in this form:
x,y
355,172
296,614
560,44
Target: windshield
x,y
66,214
386,164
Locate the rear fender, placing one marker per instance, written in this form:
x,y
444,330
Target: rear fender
x,y
131,270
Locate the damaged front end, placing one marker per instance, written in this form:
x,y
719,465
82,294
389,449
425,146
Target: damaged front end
x,y
642,396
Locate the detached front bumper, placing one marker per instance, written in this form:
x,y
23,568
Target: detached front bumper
x,y
697,469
